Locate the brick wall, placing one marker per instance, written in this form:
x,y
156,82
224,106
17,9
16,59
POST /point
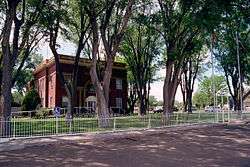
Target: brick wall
x,y
40,84
52,91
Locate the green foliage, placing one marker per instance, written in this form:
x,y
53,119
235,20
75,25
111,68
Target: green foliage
x,y
26,74
17,98
31,100
141,49
55,10
42,113
200,99
234,21
205,95
2,9
206,84
178,105
153,102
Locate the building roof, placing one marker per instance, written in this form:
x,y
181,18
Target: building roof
x,y
66,59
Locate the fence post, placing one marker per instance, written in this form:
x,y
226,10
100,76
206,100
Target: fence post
x,y
177,118
241,114
199,116
56,125
223,115
14,128
149,121
114,123
70,126
217,116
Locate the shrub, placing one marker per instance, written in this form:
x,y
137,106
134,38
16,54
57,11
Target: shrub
x,y
31,100
17,99
15,104
42,113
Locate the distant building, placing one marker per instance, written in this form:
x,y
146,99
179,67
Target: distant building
x,y
52,93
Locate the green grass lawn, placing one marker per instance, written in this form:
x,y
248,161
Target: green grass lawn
x,y
23,127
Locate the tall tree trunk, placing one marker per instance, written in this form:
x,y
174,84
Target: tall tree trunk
x,y
148,95
6,93
132,98
141,99
102,105
167,90
111,42
184,91
107,77
7,71
168,98
141,105
189,101
171,82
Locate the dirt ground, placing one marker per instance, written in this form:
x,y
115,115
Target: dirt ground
x,y
225,145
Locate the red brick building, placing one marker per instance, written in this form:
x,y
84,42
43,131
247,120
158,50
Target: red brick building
x,y
52,93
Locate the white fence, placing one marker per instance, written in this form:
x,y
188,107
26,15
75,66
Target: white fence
x,y
30,127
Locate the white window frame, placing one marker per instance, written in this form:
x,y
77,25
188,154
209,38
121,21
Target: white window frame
x,y
118,102
118,83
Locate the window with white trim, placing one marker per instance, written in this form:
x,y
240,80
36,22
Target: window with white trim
x,y
118,102
118,84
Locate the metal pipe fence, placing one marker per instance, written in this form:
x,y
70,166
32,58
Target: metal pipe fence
x,y
30,127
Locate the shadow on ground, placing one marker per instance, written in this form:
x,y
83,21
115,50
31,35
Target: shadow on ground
x,y
227,146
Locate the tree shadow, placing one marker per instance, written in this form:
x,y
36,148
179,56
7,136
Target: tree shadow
x,y
227,146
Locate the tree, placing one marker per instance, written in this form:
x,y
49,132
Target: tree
x,y
109,19
140,50
178,28
132,94
26,74
201,99
235,23
17,98
69,19
192,68
31,100
153,102
205,91
17,37
180,23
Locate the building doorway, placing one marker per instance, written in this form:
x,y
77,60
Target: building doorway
x,y
90,103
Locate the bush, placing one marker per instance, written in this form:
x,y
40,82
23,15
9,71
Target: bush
x,y
17,99
15,104
31,100
42,113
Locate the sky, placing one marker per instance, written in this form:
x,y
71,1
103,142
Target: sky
x,y
157,88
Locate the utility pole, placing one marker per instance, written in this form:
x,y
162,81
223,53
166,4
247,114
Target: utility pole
x,y
239,71
213,84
